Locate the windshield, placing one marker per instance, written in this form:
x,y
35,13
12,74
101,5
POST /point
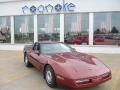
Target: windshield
x,y
55,48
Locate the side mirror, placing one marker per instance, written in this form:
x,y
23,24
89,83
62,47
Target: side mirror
x,y
37,52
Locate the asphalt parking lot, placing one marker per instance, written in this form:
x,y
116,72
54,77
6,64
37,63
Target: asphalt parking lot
x,y
15,76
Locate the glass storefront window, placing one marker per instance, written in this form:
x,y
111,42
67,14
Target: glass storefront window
x,y
24,29
49,27
107,28
77,29
5,32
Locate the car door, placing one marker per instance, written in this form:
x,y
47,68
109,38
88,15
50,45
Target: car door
x,y
34,56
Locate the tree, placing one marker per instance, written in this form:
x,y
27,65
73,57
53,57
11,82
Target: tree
x,y
114,30
97,31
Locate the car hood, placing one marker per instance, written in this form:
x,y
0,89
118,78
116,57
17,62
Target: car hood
x,y
77,65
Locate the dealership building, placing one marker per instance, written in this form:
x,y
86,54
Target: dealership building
x,y
91,26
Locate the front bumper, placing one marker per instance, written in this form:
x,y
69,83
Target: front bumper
x,y
93,82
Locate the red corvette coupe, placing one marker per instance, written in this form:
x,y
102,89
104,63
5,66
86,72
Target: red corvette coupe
x,y
62,65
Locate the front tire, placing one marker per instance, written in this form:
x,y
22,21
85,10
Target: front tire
x,y
26,61
50,77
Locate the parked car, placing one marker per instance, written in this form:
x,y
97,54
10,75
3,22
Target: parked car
x,y
2,38
69,40
62,65
4,34
83,39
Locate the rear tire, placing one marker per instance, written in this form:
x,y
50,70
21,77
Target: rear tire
x,y
26,61
50,77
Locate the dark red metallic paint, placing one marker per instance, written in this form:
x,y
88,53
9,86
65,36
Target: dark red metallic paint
x,y
72,66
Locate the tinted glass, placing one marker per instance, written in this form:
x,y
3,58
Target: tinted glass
x,y
55,48
76,28
107,28
49,27
5,32
24,29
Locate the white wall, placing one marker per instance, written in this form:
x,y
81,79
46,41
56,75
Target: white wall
x,y
96,5
98,49
15,8
11,47
84,49
8,0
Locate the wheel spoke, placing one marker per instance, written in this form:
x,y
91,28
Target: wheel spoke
x,y
49,77
26,60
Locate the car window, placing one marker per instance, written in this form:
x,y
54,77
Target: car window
x,y
36,47
54,48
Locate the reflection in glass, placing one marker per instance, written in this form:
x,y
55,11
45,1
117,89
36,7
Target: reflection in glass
x,y
107,29
5,33
48,27
24,29
76,28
